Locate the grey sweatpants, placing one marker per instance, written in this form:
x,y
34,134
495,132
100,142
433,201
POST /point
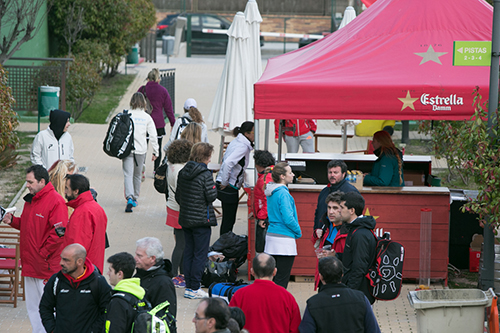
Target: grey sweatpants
x,y
132,174
305,140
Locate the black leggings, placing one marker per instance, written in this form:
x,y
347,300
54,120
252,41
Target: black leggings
x,y
284,265
178,252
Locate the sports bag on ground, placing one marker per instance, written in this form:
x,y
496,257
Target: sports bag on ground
x,y
146,319
119,140
386,274
160,182
232,246
219,271
225,290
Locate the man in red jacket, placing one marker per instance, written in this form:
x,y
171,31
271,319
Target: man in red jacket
x,y
268,308
40,245
301,133
87,224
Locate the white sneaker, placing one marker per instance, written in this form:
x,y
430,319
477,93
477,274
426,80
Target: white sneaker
x,y
195,294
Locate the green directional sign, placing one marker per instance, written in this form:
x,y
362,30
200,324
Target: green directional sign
x,y
466,53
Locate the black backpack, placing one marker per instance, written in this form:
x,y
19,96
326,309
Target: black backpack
x,y
160,182
146,319
219,271
386,274
184,122
119,141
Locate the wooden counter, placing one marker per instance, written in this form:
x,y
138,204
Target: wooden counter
x,y
396,210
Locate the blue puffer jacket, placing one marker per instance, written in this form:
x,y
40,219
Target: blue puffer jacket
x,y
281,211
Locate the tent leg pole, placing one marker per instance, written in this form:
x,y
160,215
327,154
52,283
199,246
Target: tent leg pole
x,y
266,135
280,139
344,138
405,132
256,130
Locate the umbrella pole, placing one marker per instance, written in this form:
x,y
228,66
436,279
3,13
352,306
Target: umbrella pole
x,y
344,138
221,148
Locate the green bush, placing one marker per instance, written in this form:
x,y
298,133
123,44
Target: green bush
x,y
8,118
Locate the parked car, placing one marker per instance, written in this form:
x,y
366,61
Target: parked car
x,y
166,26
306,40
204,42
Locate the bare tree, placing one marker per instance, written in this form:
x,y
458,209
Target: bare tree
x,y
74,25
20,21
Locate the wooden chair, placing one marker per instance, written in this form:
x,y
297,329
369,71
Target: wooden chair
x,y
11,281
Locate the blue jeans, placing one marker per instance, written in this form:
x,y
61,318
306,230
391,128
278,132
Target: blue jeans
x,y
195,255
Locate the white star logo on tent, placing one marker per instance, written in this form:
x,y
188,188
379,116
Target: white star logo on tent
x,y
431,55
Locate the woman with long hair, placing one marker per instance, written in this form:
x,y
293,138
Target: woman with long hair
x,y
58,171
192,133
132,164
195,194
388,168
177,157
160,101
191,115
232,173
284,226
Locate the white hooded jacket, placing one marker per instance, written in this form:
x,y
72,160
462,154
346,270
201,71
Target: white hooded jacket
x,y
231,172
46,149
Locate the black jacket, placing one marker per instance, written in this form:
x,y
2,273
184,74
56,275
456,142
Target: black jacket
x,y
343,186
79,308
337,308
159,286
195,193
359,254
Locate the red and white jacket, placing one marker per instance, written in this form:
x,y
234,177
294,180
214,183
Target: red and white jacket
x,y
87,226
40,246
302,126
260,199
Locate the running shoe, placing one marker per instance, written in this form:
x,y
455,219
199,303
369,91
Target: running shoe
x,y
130,204
195,294
179,281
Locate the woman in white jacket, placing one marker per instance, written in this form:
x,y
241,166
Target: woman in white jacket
x,y
132,164
54,143
232,173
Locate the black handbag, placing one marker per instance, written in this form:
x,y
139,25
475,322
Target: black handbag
x,y
260,236
160,182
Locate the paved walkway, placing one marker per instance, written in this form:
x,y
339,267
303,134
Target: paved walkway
x,y
196,77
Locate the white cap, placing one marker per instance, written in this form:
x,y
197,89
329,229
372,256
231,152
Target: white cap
x,y
189,103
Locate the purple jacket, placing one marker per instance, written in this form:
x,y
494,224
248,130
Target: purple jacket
x,y
160,100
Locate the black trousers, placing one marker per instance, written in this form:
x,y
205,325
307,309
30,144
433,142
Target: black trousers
x,y
284,265
228,216
178,252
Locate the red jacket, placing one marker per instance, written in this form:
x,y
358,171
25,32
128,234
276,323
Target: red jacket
x,y
260,200
40,246
87,226
268,308
302,126
338,246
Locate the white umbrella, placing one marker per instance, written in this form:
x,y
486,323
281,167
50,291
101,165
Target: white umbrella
x,y
349,15
233,99
253,19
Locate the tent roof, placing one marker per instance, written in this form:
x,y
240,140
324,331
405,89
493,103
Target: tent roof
x,y
394,61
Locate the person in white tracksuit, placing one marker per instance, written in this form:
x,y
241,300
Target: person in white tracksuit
x,y
54,143
132,164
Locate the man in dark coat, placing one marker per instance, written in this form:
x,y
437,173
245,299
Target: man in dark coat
x,y
337,308
337,170
154,272
75,299
360,245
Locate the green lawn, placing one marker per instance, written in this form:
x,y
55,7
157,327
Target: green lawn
x,y
106,99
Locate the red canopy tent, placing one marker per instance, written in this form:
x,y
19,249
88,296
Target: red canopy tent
x,y
394,61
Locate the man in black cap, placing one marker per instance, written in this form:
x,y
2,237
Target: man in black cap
x,y
54,143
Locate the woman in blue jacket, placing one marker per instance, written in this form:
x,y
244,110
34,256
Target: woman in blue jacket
x,y
388,168
284,226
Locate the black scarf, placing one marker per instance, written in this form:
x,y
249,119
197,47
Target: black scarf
x,y
58,120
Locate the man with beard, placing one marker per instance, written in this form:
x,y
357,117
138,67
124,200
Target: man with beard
x,y
75,299
87,224
336,182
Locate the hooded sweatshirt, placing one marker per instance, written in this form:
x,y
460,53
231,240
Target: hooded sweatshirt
x,y
359,254
120,314
53,144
